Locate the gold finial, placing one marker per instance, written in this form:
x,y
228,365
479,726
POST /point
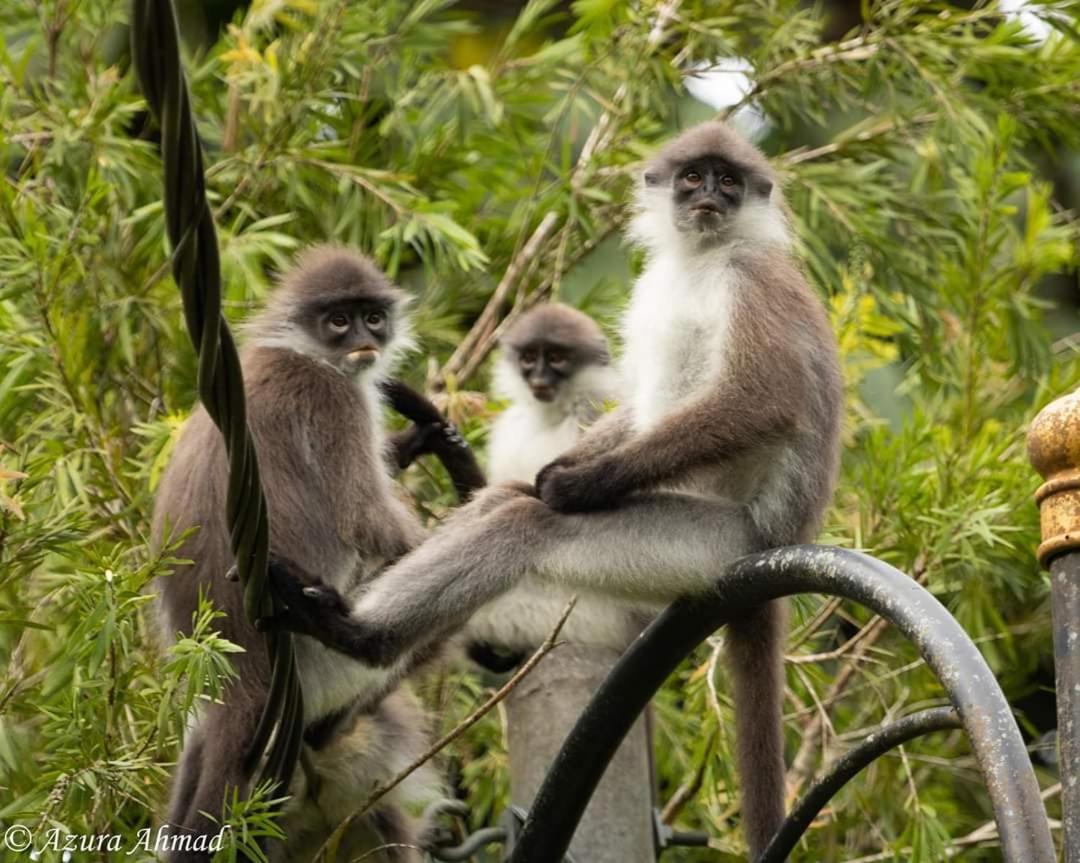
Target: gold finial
x,y
1054,451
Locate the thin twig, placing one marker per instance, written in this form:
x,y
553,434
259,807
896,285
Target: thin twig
x,y
487,344
688,790
488,319
984,833
802,766
878,130
828,655
478,342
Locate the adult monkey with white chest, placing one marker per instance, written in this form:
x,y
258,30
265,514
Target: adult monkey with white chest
x,y
314,365
727,444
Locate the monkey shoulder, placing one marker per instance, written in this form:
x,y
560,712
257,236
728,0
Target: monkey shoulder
x,y
302,409
319,441
278,377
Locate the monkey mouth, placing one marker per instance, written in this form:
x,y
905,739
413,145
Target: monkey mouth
x,y
543,394
707,210
362,357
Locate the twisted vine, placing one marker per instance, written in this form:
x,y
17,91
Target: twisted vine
x,y
196,268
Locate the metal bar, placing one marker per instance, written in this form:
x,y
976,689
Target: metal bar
x,y
1065,603
996,741
846,768
1054,451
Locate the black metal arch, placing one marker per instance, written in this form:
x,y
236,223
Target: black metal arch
x,y
846,767
948,651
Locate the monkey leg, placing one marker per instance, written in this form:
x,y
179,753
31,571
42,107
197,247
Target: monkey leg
x,y
211,766
651,549
755,654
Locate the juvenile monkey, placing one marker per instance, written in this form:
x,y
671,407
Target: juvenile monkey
x,y
555,368
728,443
313,364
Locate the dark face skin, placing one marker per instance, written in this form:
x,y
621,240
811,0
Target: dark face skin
x,y
545,366
708,192
351,332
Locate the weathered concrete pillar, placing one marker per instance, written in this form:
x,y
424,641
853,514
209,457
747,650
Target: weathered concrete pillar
x,y
617,825
1054,448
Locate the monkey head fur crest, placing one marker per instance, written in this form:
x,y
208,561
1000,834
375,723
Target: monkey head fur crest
x,y
336,307
709,187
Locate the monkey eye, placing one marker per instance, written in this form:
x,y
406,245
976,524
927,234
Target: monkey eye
x,y
556,358
339,321
375,320
528,357
727,180
693,178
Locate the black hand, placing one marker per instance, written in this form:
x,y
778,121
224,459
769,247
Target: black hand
x,y
308,601
577,488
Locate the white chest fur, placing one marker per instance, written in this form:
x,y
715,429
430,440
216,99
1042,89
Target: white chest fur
x,y
676,331
529,434
523,440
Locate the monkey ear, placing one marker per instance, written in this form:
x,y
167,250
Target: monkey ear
x,y
761,186
652,178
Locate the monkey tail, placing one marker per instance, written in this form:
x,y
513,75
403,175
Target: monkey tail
x,y
755,653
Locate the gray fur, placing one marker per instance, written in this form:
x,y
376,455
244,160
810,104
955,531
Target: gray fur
x,y
333,508
558,324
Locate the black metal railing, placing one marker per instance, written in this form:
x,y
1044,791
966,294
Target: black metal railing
x,y
980,706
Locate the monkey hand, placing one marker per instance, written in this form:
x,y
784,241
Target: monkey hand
x,y
575,487
308,601
435,436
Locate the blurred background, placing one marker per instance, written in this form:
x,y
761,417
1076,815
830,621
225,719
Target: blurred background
x,y
930,153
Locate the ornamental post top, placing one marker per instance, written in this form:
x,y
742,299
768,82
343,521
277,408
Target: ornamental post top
x,y
1054,451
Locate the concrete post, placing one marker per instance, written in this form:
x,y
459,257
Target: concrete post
x,y
617,824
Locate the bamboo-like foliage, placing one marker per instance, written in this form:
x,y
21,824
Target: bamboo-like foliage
x,y
155,45
927,156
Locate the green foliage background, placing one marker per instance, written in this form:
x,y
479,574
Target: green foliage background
x,y
920,153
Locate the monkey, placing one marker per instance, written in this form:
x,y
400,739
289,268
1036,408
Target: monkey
x,y
728,443
314,364
555,368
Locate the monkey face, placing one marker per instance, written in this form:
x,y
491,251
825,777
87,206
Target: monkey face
x,y
351,333
708,192
545,366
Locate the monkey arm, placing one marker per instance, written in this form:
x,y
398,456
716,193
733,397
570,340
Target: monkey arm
x,y
316,609
706,431
431,434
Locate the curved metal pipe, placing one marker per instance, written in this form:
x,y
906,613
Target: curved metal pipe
x,y
473,843
847,767
948,651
